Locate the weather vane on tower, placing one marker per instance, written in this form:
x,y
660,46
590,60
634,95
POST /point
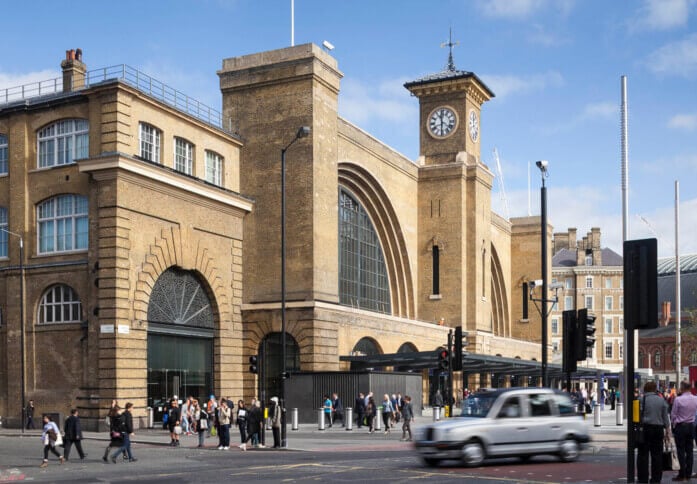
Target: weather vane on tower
x,y
450,44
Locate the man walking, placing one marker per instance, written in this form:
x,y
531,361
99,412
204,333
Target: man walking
x,y
682,417
360,409
73,434
30,415
408,418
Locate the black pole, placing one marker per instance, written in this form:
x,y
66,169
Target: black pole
x,y
283,296
450,372
543,201
262,389
21,330
629,390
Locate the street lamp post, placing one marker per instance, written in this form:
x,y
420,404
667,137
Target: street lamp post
x,y
303,132
21,320
542,165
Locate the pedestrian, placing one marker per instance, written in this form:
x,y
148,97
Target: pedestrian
x,y
387,412
337,409
360,409
276,422
201,419
51,437
115,430
612,397
224,423
407,418
29,411
438,399
682,417
174,422
328,409
371,412
73,434
254,422
126,433
654,418
395,408
211,410
242,423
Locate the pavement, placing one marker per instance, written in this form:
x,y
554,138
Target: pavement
x,y
607,437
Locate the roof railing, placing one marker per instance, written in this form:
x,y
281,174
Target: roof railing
x,y
131,76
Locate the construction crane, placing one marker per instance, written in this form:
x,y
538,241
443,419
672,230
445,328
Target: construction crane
x,y
502,189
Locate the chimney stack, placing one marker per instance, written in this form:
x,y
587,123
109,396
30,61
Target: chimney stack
x,y
74,71
665,313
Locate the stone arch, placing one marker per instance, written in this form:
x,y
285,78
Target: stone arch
x,y
169,251
499,297
366,343
407,347
377,204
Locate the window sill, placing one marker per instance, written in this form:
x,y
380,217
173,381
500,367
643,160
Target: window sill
x,y
435,297
68,326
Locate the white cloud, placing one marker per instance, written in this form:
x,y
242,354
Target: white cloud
x,y
506,85
521,9
388,101
687,122
541,36
9,81
661,15
601,110
675,59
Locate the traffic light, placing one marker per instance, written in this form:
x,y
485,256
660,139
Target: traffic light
x,y
640,284
569,334
253,364
443,360
586,330
457,356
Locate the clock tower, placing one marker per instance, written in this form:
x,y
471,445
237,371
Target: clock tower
x,y
450,103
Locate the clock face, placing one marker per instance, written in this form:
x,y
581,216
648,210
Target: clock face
x,y
442,122
473,125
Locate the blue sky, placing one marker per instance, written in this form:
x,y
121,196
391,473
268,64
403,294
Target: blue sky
x,y
555,66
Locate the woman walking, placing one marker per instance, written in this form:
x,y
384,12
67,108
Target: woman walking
x,y
371,413
387,412
116,424
242,424
51,437
201,419
276,422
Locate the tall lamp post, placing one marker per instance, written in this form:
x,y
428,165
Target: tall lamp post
x,y
542,165
21,319
303,132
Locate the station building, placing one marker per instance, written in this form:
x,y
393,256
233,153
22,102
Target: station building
x,y
151,231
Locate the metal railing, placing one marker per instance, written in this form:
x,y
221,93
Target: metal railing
x,y
131,76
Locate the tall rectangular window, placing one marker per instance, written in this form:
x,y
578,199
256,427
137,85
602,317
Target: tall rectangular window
x,y
3,232
569,283
3,154
555,326
183,156
149,143
214,168
568,302
608,283
608,303
589,282
589,302
608,325
608,350
621,302
620,351
436,270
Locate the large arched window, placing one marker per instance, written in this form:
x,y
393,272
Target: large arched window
x,y
62,224
59,304
63,142
363,279
3,232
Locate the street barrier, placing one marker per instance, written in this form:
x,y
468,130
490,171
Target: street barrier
x,y
294,419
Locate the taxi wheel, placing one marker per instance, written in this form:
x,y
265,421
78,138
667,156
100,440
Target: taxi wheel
x,y
568,450
430,462
473,453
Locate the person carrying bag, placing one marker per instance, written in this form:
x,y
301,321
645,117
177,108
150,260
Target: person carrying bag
x,y
656,428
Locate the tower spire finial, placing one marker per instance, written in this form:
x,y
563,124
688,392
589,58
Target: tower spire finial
x,y
450,44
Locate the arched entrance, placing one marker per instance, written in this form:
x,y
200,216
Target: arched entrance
x,y
271,347
180,338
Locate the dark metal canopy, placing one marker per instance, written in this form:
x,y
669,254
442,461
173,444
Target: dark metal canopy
x,y
471,363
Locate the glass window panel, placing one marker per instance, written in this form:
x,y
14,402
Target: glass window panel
x,y
63,224
3,154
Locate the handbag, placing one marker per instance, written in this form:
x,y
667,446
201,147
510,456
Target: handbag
x,y
115,434
203,424
177,429
670,456
214,432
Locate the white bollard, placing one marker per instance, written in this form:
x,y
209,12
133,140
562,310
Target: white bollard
x,y
619,419
294,417
377,425
320,418
596,415
436,414
348,418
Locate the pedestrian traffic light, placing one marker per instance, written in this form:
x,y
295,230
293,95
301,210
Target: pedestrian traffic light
x,y
253,364
640,284
569,340
586,331
443,360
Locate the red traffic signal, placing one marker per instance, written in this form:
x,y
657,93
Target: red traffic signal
x,y
443,360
